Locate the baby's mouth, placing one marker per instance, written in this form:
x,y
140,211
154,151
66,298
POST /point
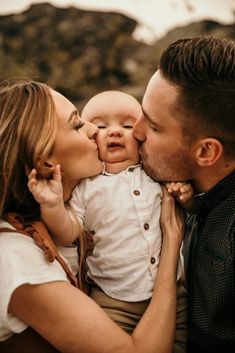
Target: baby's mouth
x,y
114,144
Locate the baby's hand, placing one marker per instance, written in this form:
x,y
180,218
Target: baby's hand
x,y
183,192
47,192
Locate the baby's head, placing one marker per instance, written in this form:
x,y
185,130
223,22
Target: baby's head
x,y
114,113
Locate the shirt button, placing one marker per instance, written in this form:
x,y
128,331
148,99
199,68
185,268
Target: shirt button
x,y
130,169
153,260
136,192
146,226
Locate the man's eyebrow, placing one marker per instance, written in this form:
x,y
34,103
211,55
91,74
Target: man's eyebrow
x,y
71,116
146,115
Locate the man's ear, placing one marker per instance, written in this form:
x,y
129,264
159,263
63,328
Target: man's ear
x,y
208,152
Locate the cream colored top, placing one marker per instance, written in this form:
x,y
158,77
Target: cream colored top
x,y
21,262
123,211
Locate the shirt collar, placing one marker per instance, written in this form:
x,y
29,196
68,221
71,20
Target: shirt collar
x,y
130,169
207,201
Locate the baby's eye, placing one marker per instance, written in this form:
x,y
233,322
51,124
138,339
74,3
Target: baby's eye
x,y
127,126
79,125
101,126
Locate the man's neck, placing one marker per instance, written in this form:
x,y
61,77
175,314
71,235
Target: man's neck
x,y
209,177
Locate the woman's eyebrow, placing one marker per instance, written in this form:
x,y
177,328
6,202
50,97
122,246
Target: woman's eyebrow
x,y
72,115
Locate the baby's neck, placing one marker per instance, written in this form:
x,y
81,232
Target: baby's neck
x,y
117,167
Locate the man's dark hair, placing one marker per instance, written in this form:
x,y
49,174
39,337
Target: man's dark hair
x,y
203,71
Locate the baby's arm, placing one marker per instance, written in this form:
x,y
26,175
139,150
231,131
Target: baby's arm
x,y
183,192
49,194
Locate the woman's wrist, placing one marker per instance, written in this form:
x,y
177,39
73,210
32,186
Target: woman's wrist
x,y
172,239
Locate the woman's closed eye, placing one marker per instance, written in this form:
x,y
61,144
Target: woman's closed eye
x,y
79,124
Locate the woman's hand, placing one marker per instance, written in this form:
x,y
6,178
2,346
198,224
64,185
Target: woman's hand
x,y
47,192
172,218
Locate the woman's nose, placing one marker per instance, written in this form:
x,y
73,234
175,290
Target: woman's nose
x,y
92,130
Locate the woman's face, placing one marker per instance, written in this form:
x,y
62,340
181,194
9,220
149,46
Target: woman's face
x,y
75,145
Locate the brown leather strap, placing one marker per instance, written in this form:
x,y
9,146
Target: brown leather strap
x,y
28,341
38,231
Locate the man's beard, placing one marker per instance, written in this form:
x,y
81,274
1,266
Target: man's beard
x,y
177,167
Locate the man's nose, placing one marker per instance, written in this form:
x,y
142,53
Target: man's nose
x,y
138,129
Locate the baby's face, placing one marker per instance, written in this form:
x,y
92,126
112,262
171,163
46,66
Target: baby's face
x,y
115,119
115,140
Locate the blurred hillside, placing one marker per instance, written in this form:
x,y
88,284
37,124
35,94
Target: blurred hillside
x,y
80,53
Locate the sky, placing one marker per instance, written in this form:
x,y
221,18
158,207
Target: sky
x,y
155,17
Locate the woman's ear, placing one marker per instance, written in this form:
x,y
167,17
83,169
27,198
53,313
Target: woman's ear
x,y
45,168
208,152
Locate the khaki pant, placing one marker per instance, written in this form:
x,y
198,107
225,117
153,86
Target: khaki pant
x,y
127,315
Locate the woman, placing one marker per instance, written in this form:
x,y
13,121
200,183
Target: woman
x,y
39,128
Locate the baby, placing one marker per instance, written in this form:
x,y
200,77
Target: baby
x,y
121,208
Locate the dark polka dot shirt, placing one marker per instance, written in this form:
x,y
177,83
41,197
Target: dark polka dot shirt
x,y
211,271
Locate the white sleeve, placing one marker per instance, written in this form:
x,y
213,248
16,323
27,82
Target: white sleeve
x,y
77,202
21,262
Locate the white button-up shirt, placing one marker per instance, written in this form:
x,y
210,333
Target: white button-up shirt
x,y
123,211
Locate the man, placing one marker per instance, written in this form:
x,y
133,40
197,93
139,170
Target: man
x,y
187,132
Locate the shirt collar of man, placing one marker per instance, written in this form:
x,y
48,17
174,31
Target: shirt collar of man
x,y
207,201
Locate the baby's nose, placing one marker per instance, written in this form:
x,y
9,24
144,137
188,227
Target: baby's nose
x,y
115,132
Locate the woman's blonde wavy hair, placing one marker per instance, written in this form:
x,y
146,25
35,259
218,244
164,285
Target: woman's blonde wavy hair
x,y
28,125
27,133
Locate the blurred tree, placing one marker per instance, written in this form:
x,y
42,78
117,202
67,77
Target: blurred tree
x,y
81,53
